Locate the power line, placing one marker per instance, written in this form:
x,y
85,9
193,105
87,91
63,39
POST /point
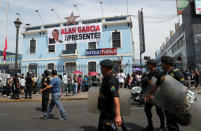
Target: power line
x,y
53,10
159,19
37,11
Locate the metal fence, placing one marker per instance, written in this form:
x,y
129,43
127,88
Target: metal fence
x,y
85,69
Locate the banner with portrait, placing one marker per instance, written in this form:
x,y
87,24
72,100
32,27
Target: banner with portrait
x,y
75,34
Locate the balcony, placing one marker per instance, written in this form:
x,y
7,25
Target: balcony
x,y
69,53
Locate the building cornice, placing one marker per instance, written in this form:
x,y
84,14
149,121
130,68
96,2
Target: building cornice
x,y
79,57
104,23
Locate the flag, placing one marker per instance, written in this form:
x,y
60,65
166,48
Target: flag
x,y
5,48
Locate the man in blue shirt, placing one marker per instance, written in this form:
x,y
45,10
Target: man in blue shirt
x,y
56,90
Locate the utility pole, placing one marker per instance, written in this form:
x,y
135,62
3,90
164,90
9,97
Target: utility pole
x,y
101,4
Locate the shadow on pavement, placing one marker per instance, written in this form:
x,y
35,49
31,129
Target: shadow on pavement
x,y
38,109
130,127
52,116
133,127
88,128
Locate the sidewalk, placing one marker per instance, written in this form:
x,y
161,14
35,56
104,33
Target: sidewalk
x,y
38,97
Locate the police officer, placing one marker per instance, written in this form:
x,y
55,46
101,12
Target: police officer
x,y
16,86
154,72
167,65
45,94
28,84
108,100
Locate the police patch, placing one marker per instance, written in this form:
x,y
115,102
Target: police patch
x,y
113,88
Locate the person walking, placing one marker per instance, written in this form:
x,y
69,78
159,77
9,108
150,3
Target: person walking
x,y
75,84
55,86
29,83
45,93
108,101
151,66
70,85
85,83
22,83
65,83
8,86
121,78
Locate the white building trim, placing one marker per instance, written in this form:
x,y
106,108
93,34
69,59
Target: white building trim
x,y
80,57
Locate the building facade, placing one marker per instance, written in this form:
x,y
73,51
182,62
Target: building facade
x,y
8,67
116,44
185,44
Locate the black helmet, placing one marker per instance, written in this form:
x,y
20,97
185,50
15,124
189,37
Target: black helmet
x,y
46,72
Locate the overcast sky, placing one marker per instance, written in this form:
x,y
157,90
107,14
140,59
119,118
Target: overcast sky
x,y
157,25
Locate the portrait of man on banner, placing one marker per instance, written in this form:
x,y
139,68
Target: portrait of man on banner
x,y
55,37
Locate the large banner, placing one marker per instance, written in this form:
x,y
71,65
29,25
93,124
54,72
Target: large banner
x,y
141,31
75,34
198,7
104,51
181,5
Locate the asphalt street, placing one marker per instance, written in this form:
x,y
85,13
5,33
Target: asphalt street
x,y
26,116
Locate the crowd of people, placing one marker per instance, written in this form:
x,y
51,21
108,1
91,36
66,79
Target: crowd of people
x,y
30,84
19,84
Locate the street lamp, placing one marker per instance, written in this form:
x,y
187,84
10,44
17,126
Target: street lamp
x,y
17,23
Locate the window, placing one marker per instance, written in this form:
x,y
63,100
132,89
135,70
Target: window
x,y
91,66
70,67
71,48
33,68
50,66
117,66
51,48
116,40
92,45
32,46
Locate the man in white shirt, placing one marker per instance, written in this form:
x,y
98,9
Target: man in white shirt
x,y
121,79
64,80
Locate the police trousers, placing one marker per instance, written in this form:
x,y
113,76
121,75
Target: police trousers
x,y
147,108
28,91
45,100
171,121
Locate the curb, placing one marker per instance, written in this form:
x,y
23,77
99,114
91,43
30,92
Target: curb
x,y
39,100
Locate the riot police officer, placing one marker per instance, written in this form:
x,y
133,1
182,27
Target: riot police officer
x,y
167,65
45,94
108,101
29,83
154,72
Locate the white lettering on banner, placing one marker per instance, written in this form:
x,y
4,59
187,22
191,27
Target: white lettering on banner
x,y
75,34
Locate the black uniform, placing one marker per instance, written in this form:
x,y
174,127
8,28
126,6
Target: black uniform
x,y
148,106
45,94
108,90
171,119
15,88
29,84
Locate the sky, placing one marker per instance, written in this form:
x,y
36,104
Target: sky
x,y
159,17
